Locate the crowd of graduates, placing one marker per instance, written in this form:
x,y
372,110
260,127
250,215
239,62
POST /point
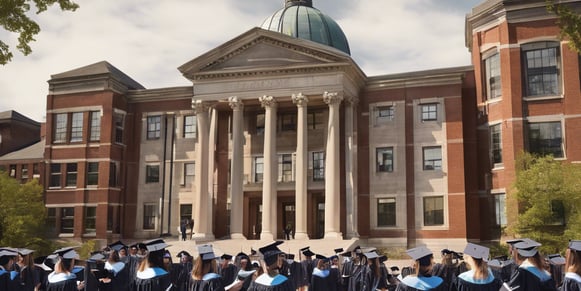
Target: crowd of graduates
x,y
148,266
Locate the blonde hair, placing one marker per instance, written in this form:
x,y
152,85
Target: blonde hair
x,y
573,262
479,266
202,268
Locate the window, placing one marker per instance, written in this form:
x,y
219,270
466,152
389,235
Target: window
x,y
384,159
492,73
316,120
545,138
71,175
288,121
189,173
541,68
95,131
51,218
433,211
557,213
185,212
35,171
92,174
60,128
258,169
429,112
24,173
318,166
77,127
190,126
384,113
67,220
153,127
149,216
386,212
90,219
55,175
432,158
12,171
500,209
495,144
119,126
285,168
113,175
260,123
113,218
152,174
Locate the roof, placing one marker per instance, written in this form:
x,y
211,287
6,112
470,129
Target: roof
x,y
100,68
12,115
33,152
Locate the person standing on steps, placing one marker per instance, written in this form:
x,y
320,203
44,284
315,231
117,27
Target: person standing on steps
x,y
192,228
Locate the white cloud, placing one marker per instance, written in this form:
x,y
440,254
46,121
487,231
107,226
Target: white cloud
x,y
149,39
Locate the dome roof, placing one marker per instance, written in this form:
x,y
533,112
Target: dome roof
x,y
298,18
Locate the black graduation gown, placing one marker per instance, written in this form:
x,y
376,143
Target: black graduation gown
x,y
346,274
447,272
9,280
322,281
464,282
228,274
335,279
357,278
571,282
29,278
158,283
69,284
119,281
412,283
210,282
133,263
531,279
184,277
280,283
306,272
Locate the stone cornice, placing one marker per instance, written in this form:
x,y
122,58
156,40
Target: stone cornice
x,y
438,77
268,72
162,94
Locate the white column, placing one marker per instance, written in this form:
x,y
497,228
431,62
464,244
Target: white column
x,y
332,178
201,214
270,170
212,166
351,168
301,167
236,173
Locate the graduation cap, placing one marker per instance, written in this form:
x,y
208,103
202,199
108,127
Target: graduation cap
x,y
290,257
117,246
527,247
307,252
25,252
206,252
371,255
339,250
477,251
244,274
514,241
183,254
271,252
323,258
333,257
96,257
447,252
67,253
357,250
6,255
155,245
226,257
166,254
346,254
382,258
556,259
575,245
421,254
394,269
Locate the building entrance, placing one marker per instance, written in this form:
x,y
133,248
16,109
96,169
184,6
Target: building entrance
x,y
288,220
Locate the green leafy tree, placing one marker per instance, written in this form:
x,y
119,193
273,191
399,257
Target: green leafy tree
x,y
569,22
14,18
22,214
548,192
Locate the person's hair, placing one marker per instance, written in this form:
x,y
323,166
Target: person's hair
x,y
536,260
203,267
64,265
480,268
423,266
113,257
447,259
573,262
321,264
152,260
373,264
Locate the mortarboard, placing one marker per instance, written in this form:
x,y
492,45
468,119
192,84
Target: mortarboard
x,y
421,254
206,252
252,252
117,246
271,252
495,263
382,258
556,259
333,257
477,251
183,254
321,257
97,256
67,253
25,252
290,256
527,247
226,257
307,252
6,255
394,269
371,255
575,245
446,252
155,245
339,250
346,254
514,241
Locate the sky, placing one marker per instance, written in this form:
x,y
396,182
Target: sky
x,y
149,39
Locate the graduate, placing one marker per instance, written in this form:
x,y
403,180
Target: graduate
x,y
572,280
321,281
480,277
204,276
30,275
151,275
64,277
335,272
448,268
375,278
530,274
271,280
292,269
183,271
118,272
358,269
242,262
8,277
422,279
307,266
346,269
557,268
228,271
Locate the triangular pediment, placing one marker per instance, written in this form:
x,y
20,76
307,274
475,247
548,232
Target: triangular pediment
x,y
261,51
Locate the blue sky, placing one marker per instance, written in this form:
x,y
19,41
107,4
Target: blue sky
x,y
149,39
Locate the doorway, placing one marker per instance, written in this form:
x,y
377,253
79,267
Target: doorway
x,y
288,220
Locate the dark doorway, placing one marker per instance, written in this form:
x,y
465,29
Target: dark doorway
x,y
255,219
288,220
320,217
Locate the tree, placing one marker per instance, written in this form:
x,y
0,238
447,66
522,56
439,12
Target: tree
x,y
14,18
549,195
569,22
22,214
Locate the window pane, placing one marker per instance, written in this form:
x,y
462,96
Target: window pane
x,y
189,172
113,175
93,173
500,208
152,174
185,212
429,112
71,175
55,175
260,123
545,138
119,125
318,166
90,219
386,212
149,211
541,61
316,120
285,168
258,169
493,80
432,158
95,134
190,126
288,122
433,211
60,128
384,159
495,144
77,127
153,127
67,220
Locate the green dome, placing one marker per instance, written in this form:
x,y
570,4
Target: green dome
x,y
298,18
